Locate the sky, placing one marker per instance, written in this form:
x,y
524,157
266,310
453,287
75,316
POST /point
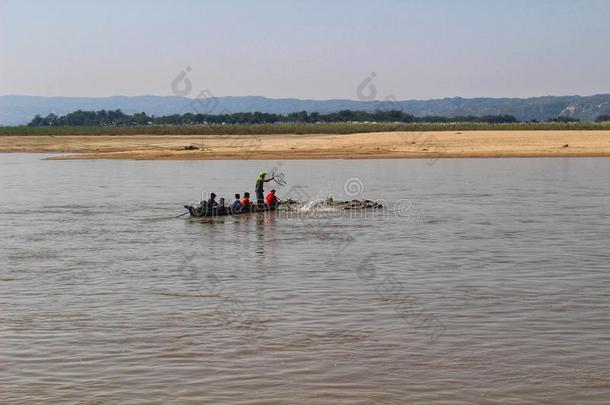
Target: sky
x,y
313,49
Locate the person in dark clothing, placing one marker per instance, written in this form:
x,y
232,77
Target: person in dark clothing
x,y
260,192
212,202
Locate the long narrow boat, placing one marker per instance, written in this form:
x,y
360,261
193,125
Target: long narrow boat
x,y
197,211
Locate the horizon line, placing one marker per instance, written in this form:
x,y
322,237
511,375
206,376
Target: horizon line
x,y
315,99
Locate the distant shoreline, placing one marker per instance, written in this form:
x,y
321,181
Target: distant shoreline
x,y
428,145
300,128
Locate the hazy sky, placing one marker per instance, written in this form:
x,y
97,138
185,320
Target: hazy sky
x,y
306,49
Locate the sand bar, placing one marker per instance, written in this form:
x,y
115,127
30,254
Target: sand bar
x,y
320,146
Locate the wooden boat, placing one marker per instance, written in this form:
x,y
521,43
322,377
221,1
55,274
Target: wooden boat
x,y
199,211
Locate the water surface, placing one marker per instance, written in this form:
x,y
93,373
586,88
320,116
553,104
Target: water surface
x,y
491,286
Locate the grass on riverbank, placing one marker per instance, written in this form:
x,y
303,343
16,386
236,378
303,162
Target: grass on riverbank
x,y
297,128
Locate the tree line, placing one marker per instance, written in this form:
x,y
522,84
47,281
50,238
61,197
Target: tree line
x,y
119,118
603,118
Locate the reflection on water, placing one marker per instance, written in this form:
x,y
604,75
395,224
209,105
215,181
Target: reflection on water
x,y
493,288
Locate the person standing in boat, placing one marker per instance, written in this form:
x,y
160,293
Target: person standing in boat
x,y
260,192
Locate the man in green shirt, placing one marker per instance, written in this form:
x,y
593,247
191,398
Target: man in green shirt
x,y
260,181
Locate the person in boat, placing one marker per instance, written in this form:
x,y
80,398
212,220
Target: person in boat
x,y
212,202
236,204
260,182
272,200
245,202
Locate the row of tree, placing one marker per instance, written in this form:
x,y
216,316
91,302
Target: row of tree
x,y
119,118
92,118
603,118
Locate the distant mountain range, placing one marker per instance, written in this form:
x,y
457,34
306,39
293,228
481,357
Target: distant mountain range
x,y
18,110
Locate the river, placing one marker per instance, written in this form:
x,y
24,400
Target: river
x,y
481,281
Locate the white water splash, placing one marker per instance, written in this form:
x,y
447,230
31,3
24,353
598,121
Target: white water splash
x,y
318,205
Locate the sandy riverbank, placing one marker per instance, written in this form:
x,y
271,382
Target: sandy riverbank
x,y
290,146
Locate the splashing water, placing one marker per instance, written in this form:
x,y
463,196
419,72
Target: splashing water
x,y
318,205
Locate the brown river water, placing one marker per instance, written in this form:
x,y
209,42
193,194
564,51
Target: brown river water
x,y
482,281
